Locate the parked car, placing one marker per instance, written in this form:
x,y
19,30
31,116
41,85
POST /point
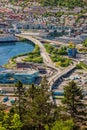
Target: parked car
x,y
5,99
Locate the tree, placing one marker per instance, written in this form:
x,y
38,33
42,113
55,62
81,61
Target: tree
x,y
73,101
2,128
63,125
2,107
20,91
37,110
85,43
10,122
16,123
71,45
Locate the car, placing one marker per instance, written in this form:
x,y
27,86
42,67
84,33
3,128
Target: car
x,y
12,101
5,99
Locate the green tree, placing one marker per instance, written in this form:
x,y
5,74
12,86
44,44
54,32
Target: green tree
x,y
85,43
63,125
16,123
37,109
2,128
73,102
10,122
20,91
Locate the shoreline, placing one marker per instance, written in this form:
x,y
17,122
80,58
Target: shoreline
x,y
8,38
9,41
12,43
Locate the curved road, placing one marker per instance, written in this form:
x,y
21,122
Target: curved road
x,y
46,58
59,75
48,62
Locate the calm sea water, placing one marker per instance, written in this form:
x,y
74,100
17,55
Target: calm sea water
x,y
8,50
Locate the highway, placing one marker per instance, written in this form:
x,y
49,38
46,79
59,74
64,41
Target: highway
x,y
46,58
50,41
48,62
60,74
37,36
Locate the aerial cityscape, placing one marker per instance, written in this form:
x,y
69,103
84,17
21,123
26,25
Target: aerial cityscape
x,y
43,65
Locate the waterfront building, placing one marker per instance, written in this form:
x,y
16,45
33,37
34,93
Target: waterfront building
x,y
27,76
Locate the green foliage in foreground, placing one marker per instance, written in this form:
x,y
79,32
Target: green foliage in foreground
x,y
73,103
10,122
34,56
34,107
34,110
63,125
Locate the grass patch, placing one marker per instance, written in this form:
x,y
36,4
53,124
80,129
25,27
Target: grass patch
x,y
34,56
81,65
57,55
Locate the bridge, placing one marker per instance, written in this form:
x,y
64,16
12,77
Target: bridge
x,y
42,39
50,41
48,62
46,58
57,76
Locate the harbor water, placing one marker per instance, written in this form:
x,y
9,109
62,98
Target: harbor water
x,y
10,49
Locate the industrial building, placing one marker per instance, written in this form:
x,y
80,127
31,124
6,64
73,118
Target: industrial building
x,y
12,76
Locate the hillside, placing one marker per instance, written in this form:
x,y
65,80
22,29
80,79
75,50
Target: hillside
x,y
66,3
69,3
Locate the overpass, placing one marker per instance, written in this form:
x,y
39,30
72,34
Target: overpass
x,y
37,36
57,76
48,62
50,41
46,58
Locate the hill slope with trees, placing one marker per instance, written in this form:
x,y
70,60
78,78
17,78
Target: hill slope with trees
x,y
69,3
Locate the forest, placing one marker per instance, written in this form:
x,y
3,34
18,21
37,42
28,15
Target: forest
x,y
33,109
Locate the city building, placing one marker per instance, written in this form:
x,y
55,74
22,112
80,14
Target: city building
x,y
12,76
72,52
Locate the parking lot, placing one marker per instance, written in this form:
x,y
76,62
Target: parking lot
x,y
7,100
80,77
